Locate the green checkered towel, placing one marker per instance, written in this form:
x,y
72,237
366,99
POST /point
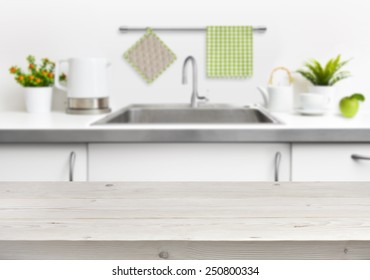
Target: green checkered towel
x,y
229,51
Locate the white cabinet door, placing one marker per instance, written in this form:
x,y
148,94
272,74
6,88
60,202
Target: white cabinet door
x,y
187,162
42,162
330,162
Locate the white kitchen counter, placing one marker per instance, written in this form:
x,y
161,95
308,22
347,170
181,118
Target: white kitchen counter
x,y
54,120
61,127
61,120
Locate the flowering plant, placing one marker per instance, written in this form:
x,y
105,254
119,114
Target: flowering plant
x,y
41,75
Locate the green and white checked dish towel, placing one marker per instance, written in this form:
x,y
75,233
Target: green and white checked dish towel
x,y
229,51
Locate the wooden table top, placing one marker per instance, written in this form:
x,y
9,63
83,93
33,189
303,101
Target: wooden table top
x,y
184,211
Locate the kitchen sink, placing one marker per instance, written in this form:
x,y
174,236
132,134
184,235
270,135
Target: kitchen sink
x,y
184,114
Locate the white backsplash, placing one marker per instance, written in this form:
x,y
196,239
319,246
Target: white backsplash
x,y
297,31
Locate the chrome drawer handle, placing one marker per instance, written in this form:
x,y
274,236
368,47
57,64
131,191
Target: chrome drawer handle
x,y
72,161
359,157
277,166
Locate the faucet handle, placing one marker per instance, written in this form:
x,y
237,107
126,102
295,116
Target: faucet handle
x,y
202,99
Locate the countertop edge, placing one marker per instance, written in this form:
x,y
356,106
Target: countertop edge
x,y
307,135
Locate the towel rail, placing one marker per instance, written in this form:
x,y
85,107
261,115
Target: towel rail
x,y
126,29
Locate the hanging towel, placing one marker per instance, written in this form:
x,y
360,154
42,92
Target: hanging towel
x,y
149,56
229,51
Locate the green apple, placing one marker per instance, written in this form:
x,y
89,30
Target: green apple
x,y
349,105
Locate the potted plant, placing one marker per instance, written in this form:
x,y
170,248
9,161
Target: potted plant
x,y
38,84
323,78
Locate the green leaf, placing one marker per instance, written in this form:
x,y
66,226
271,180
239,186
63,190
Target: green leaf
x,y
339,76
358,96
328,69
343,63
31,59
309,76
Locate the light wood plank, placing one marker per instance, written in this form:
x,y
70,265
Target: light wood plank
x,y
184,250
172,190
216,229
195,208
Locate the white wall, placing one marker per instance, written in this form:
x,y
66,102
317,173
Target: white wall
x,y
297,30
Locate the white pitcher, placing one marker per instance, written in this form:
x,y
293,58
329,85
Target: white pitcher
x,y
87,77
277,98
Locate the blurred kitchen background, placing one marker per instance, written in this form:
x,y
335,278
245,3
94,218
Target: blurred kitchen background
x,y
297,31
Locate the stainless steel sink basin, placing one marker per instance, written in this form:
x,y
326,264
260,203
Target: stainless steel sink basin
x,y
183,114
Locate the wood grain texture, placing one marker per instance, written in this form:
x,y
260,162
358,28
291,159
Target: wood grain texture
x,y
184,250
189,220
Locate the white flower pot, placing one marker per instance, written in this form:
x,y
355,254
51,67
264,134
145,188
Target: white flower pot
x,y
38,99
328,91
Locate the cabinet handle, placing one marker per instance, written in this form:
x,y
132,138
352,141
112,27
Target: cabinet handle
x,y
359,157
277,166
72,160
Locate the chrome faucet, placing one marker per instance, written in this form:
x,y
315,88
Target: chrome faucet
x,y
195,98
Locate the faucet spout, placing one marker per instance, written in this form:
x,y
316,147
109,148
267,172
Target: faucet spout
x,y
195,98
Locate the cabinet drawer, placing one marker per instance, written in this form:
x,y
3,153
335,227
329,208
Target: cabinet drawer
x,y
42,162
330,162
187,162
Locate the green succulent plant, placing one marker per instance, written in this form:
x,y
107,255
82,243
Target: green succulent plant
x,y
327,75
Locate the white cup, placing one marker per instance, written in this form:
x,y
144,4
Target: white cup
x,y
313,101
